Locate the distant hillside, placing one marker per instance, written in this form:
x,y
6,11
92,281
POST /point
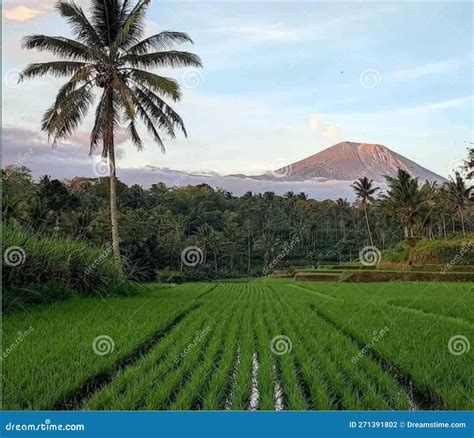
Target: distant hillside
x,y
348,161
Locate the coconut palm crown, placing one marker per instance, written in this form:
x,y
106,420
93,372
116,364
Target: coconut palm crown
x,y
109,61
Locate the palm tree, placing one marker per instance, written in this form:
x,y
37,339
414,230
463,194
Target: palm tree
x,y
365,191
109,56
469,165
459,195
404,200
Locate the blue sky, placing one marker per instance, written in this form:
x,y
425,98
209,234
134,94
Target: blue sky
x,y
281,81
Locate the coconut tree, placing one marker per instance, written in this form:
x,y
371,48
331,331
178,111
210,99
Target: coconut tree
x,y
459,196
365,191
404,200
108,59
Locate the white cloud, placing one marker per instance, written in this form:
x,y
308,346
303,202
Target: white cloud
x,y
21,13
325,128
433,68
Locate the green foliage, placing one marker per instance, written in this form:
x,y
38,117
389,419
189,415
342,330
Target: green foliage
x,y
207,360
455,251
64,262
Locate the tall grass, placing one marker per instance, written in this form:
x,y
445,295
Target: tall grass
x,y
34,261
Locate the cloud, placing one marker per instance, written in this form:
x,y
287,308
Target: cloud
x,y
32,149
433,68
21,13
324,128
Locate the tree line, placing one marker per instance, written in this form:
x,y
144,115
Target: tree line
x,y
236,235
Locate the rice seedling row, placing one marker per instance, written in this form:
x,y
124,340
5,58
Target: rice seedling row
x,y
263,345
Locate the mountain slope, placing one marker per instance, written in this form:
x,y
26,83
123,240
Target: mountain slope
x,y
348,161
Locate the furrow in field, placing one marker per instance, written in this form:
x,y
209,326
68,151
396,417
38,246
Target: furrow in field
x,y
364,386
198,383
417,398
295,389
128,387
315,386
416,311
267,375
76,399
179,387
241,394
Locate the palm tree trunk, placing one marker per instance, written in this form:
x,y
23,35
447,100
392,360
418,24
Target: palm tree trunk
x,y
368,225
109,140
462,223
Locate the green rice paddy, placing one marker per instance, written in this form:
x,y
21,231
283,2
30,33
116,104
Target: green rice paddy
x,y
272,344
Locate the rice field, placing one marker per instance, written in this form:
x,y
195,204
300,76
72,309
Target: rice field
x,y
272,344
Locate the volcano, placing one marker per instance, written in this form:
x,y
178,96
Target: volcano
x,y
348,161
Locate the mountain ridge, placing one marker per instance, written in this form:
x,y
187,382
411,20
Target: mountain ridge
x,y
347,161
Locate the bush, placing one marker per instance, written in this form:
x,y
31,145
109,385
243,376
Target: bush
x,y
33,259
454,252
381,276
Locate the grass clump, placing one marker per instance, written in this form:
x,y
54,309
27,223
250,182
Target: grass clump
x,y
40,268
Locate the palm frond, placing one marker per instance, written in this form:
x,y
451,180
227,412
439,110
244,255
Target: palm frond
x,y
81,26
160,41
64,116
170,58
163,115
107,19
63,47
133,25
165,86
99,122
55,68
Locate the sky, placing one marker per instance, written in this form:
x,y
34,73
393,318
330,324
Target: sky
x,y
281,81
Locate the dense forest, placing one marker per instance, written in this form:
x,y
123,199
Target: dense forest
x,y
236,235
